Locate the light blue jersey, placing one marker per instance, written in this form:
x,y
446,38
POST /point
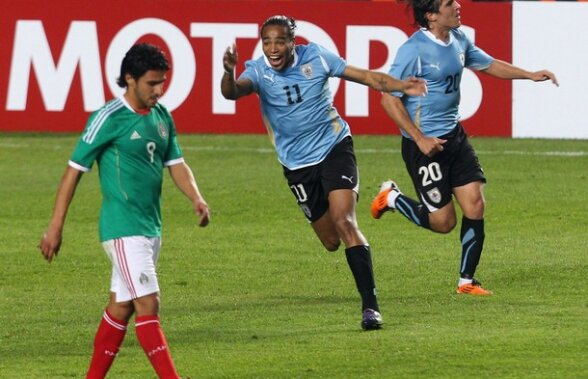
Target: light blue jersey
x,y
297,104
441,65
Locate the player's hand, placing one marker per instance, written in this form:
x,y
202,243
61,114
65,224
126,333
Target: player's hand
x,y
430,145
415,87
203,211
543,75
230,58
50,243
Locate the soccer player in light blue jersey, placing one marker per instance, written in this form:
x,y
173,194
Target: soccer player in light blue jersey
x,y
132,138
312,141
435,148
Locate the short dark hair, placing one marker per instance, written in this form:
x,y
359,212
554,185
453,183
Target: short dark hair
x,y
420,8
281,20
141,58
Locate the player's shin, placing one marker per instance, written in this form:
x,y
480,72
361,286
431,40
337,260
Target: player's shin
x,y
472,242
359,259
109,337
414,211
153,342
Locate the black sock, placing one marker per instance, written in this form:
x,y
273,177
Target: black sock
x,y
472,242
414,211
359,259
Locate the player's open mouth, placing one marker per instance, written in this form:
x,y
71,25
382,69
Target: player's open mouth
x,y
275,60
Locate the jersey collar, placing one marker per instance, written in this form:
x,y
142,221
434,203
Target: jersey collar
x,y
129,107
437,41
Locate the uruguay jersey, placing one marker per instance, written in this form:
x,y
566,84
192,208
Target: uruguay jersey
x,y
131,150
297,104
441,65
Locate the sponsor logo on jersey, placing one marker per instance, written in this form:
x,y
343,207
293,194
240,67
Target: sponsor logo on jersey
x,y
350,178
135,135
162,130
434,195
462,59
306,70
269,77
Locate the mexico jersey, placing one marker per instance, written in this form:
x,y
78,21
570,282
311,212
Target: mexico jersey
x,y
297,104
131,150
441,65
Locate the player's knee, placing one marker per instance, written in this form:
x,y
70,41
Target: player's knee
x,y
345,226
475,211
331,244
122,310
446,228
443,226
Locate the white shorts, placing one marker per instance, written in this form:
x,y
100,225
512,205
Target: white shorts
x,y
133,266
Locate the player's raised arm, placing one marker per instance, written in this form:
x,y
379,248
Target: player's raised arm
x,y
231,88
384,82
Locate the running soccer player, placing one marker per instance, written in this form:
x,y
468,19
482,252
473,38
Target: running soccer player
x,y
438,156
132,138
312,141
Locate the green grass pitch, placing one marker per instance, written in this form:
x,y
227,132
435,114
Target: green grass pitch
x,y
255,295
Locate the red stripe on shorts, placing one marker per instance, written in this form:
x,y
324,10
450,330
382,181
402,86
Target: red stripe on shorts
x,y
121,257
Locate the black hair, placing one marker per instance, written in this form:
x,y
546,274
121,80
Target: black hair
x,y
139,59
420,8
281,20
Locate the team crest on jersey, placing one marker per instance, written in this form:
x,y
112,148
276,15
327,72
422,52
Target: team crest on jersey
x,y
162,130
306,70
462,59
434,195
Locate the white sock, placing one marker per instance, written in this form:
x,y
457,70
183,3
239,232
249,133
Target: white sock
x,y
463,281
392,195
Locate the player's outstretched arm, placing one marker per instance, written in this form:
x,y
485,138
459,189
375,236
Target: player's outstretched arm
x,y
505,70
51,240
385,83
231,88
184,179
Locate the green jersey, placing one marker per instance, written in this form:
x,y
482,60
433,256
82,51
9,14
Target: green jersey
x,y
131,150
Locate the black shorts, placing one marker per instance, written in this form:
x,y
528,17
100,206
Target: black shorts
x,y
434,178
311,185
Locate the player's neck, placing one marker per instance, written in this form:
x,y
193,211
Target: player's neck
x,y
136,105
442,34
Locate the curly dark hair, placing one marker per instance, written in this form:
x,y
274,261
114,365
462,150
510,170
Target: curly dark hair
x,y
139,59
281,20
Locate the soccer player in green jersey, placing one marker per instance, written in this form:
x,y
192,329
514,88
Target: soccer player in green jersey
x,y
132,138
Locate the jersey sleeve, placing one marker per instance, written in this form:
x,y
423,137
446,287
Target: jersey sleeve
x,y
476,58
406,64
96,136
174,153
251,73
333,63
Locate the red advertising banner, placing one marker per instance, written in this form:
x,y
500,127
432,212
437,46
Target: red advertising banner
x,y
59,61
